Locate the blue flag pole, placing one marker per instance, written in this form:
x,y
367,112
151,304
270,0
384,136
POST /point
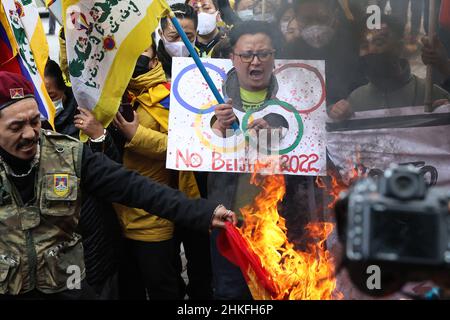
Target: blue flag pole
x,y
199,63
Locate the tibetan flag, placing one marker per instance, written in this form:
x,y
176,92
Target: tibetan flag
x,y
444,17
233,246
55,7
24,48
104,39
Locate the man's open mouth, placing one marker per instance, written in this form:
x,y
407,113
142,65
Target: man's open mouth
x,y
256,74
27,146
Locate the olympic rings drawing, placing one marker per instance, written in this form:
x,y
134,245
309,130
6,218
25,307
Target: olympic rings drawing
x,y
287,107
176,84
319,76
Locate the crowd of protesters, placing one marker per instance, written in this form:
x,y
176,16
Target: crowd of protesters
x,y
133,253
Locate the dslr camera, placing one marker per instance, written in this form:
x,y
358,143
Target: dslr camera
x,y
397,223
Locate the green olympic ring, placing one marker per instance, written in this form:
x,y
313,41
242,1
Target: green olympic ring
x,y
287,107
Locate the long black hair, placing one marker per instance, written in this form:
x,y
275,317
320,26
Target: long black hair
x,y
53,71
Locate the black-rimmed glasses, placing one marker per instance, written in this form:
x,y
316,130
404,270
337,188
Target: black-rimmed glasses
x,y
248,57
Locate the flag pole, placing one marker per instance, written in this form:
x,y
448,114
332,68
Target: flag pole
x,y
199,63
429,75
264,9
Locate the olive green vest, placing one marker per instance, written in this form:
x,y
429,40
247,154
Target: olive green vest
x,y
38,241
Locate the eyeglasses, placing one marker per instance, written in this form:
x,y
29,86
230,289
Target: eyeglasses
x,y
263,56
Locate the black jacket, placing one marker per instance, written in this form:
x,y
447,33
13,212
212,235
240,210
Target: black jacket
x,y
100,229
446,84
234,190
111,182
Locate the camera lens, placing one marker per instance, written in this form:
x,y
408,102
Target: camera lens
x,y
403,183
404,186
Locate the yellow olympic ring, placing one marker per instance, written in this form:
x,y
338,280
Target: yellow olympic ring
x,y
206,142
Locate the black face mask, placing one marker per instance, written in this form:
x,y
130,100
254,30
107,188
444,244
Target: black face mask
x,y
142,66
380,66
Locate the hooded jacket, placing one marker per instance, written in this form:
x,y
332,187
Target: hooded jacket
x,y
233,189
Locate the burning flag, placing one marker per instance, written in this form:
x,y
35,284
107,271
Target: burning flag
x,y
285,273
236,248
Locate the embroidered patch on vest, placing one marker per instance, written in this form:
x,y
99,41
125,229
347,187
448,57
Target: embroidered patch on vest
x,y
61,184
16,93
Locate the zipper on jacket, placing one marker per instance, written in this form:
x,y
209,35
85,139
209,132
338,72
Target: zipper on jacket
x,y
32,258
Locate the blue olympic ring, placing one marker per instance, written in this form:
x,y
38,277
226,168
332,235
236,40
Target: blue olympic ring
x,y
176,84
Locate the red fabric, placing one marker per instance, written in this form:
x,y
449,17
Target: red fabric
x,y
13,86
7,63
234,247
444,18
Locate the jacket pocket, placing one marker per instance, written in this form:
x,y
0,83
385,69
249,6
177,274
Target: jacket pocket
x,y
62,263
59,195
8,268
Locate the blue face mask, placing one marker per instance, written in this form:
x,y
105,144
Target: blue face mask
x,y
58,106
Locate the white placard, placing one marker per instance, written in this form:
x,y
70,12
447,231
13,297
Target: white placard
x,y
300,100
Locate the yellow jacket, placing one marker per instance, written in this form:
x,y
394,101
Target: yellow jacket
x,y
146,154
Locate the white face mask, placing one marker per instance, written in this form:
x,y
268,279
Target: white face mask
x,y
318,36
260,17
207,23
245,15
58,106
176,49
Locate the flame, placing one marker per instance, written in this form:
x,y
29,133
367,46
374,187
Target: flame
x,y
298,275
336,186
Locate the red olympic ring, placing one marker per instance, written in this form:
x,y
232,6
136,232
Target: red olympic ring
x,y
313,70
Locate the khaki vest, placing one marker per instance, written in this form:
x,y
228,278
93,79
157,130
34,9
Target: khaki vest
x,y
38,241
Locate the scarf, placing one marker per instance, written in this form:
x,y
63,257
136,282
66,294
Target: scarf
x,y
150,90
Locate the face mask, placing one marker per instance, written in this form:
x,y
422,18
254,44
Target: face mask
x,y
380,66
317,36
207,23
58,107
284,26
245,15
142,66
260,17
176,49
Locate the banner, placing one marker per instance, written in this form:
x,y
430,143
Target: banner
x,y
299,105
373,140
103,41
23,42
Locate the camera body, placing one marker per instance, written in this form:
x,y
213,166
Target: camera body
x,y
397,223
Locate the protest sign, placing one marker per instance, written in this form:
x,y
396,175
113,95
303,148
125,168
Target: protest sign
x,y
299,100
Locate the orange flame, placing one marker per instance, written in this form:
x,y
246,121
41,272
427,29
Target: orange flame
x,y
336,186
298,275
